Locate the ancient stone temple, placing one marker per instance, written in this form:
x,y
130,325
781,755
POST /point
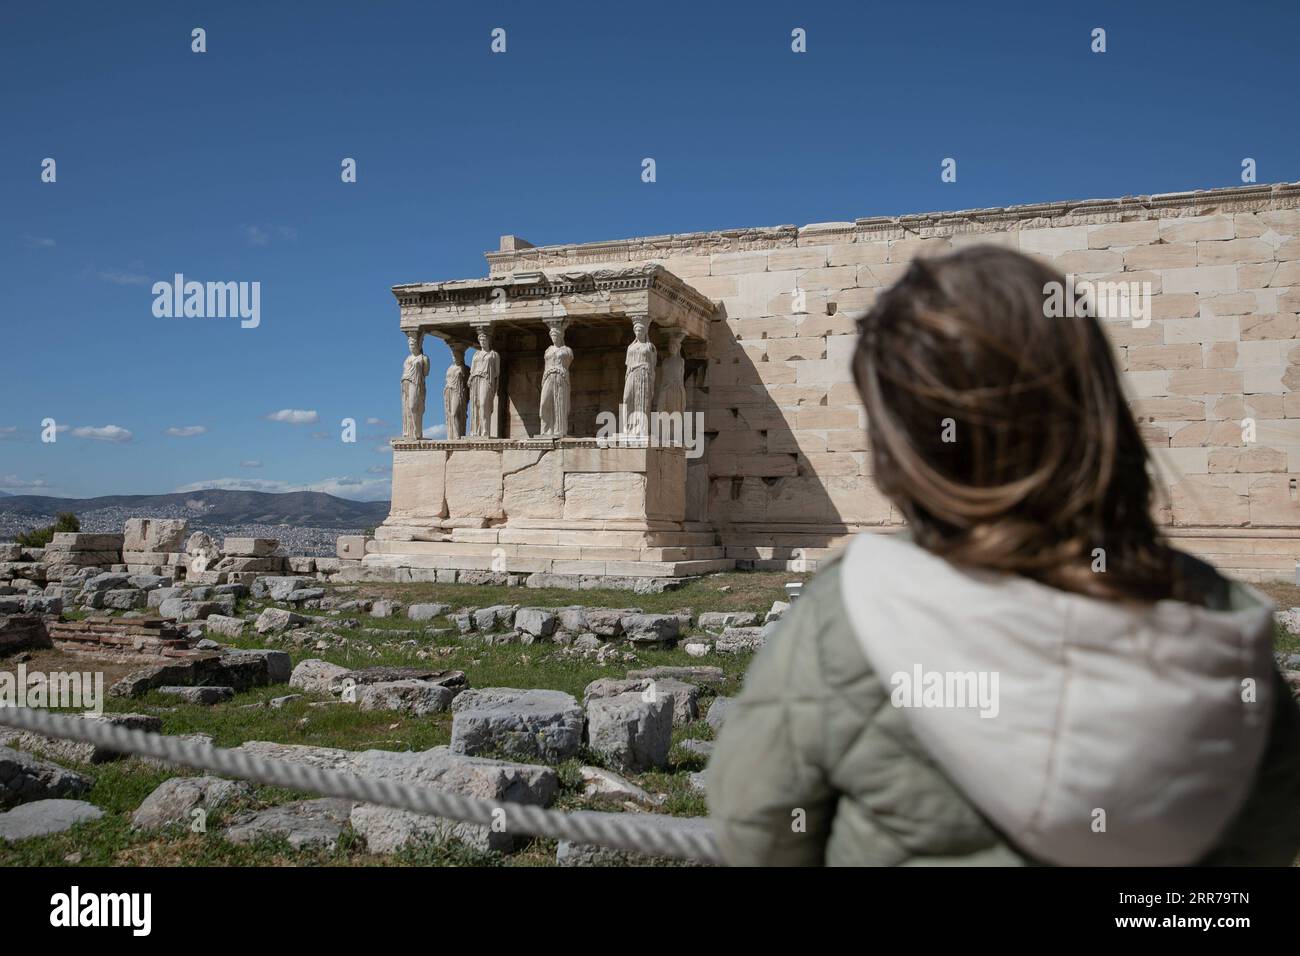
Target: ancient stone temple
x,y
754,329
536,484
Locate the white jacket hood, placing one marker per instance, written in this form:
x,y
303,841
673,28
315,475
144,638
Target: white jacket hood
x,y
1112,735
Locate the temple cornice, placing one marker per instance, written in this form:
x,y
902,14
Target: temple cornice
x,y
452,310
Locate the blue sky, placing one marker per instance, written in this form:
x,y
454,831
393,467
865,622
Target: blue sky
x,y
225,165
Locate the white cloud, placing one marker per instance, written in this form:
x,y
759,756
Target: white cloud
x,y
118,277
113,433
294,416
375,421
8,431
437,431
13,481
39,242
263,235
185,431
357,489
379,470
250,463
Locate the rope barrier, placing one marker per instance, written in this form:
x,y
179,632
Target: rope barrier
x,y
611,831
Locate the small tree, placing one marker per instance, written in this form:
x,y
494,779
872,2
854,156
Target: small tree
x,y
66,521
40,537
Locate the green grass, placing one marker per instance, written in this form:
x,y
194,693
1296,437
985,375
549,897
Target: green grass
x,y
728,591
119,787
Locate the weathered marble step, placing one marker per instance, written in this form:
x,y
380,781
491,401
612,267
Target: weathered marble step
x,y
529,565
461,549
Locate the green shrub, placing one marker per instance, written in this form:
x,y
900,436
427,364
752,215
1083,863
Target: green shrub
x,y
40,537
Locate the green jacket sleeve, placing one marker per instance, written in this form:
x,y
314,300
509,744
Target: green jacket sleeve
x,y
769,795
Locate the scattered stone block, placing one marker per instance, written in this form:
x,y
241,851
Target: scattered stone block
x,y
209,577
536,621
718,712
158,596
73,751
22,632
24,778
684,697
602,783
545,724
778,609
204,696
149,582
568,853
650,628
125,599
249,547
81,541
384,609
175,800
388,831
316,676
496,616
351,547
631,732
703,675
426,612
237,565
607,622
225,626
277,664
274,620
736,640
108,581
305,824
279,587
302,564
154,535
717,620
698,748
45,817
417,698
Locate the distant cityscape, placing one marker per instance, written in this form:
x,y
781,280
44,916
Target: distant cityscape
x,y
301,536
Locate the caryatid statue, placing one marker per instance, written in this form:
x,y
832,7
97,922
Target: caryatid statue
x,y
484,372
671,396
639,383
414,371
454,393
555,383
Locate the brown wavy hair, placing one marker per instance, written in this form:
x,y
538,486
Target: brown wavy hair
x,y
1003,435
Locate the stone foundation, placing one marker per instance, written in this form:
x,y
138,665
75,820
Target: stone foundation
x,y
562,507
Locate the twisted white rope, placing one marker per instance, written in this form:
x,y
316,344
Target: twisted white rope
x,y
621,831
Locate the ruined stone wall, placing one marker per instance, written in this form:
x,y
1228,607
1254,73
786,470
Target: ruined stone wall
x,y
786,474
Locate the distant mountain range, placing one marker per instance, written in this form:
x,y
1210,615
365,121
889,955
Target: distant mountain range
x,y
295,508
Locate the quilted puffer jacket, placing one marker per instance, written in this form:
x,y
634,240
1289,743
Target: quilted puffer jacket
x,y
908,711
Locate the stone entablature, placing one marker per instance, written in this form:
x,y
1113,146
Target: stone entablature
x,y
454,310
995,219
